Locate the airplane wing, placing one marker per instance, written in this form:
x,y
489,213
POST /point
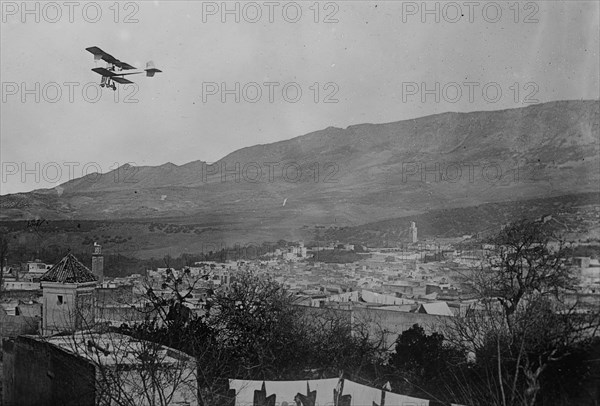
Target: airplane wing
x,y
127,74
100,54
120,80
104,72
124,65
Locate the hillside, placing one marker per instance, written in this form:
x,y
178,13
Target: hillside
x,y
576,217
362,174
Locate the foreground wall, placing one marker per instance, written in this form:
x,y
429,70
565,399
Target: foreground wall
x,y
13,326
393,323
38,374
378,321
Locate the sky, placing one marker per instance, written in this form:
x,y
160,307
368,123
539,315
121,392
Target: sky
x,y
294,67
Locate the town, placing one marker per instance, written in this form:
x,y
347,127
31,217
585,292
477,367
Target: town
x,y
390,290
336,203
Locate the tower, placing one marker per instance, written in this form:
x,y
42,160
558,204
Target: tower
x,y
98,262
412,232
68,296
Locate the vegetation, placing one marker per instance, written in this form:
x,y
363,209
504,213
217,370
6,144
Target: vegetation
x,y
3,255
525,334
422,364
572,213
521,345
254,331
526,342
338,256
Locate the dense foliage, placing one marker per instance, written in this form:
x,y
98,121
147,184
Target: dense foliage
x,y
338,256
521,344
254,331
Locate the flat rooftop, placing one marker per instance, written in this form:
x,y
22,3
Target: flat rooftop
x,y
114,348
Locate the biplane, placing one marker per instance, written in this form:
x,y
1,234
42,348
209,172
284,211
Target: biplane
x,y
115,70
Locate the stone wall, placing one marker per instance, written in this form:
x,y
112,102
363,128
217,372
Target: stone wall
x,y
392,323
39,374
377,321
13,326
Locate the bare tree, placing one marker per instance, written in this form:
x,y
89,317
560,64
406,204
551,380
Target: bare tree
x,y
528,260
3,255
254,330
522,323
129,371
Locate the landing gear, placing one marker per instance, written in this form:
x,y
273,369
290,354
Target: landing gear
x,y
109,84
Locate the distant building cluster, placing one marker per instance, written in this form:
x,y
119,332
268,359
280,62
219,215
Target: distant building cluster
x,y
292,253
389,288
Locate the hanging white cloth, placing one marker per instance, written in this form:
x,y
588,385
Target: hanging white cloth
x,y
363,395
285,391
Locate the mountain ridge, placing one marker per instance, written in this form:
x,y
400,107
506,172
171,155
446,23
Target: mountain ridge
x,y
363,173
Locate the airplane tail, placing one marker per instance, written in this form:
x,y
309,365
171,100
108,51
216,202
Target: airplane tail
x,y
150,69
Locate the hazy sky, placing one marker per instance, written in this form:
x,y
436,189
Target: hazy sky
x,y
376,59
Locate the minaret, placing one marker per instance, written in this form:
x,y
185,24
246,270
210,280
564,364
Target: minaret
x,y
98,262
413,232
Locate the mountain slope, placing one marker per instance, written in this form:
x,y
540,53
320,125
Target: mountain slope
x,y
360,174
